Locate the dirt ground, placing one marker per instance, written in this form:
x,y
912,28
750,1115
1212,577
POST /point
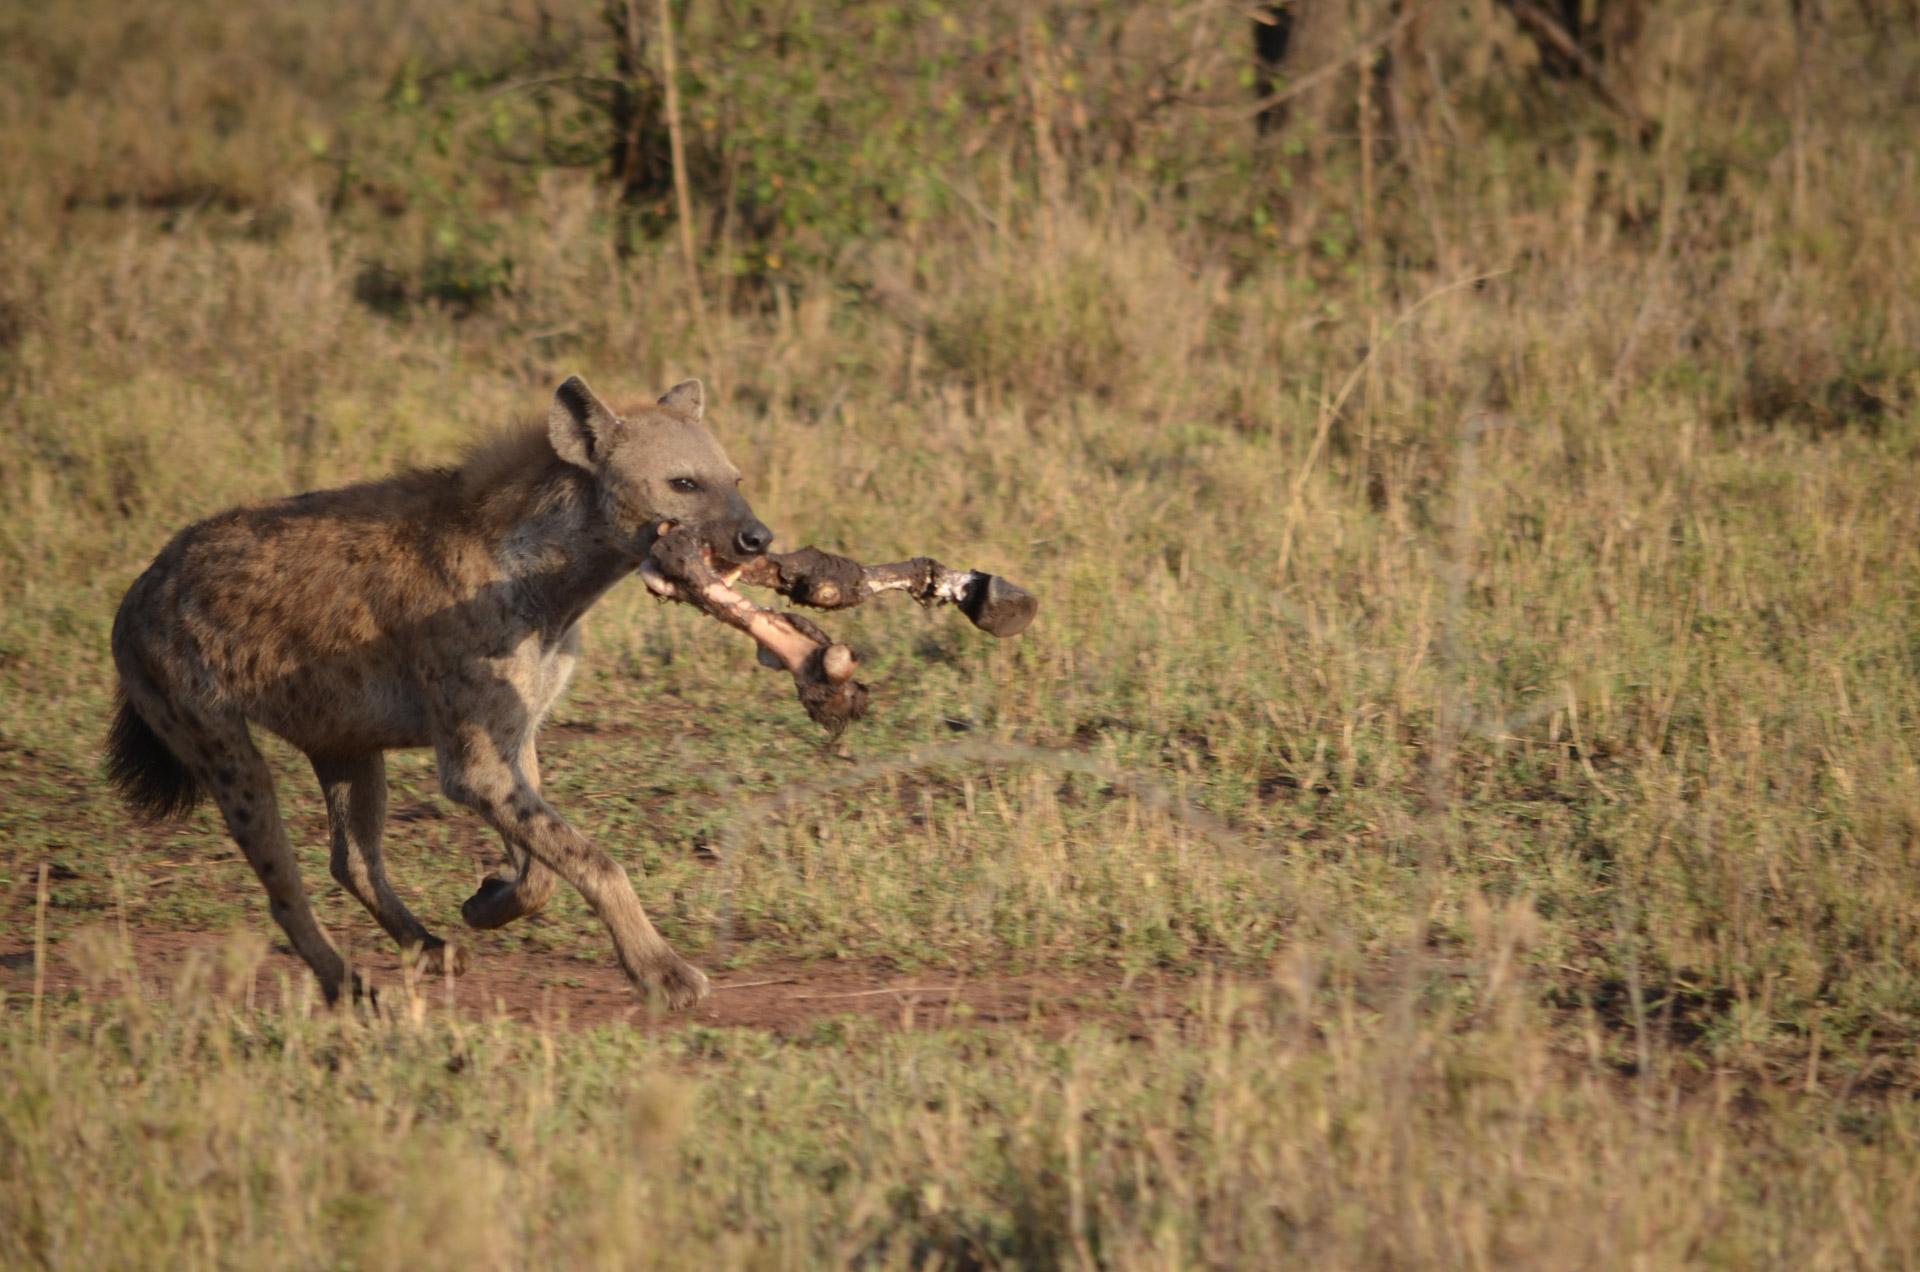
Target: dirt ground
x,y
784,996
762,989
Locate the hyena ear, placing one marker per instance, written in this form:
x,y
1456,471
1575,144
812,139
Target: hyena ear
x,y
578,423
686,397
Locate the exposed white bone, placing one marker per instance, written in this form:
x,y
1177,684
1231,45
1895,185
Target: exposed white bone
x,y
948,585
781,644
951,585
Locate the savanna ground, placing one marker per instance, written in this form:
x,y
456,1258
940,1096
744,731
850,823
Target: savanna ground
x,y
1458,806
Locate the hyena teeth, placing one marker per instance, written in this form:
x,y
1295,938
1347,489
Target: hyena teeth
x,y
658,583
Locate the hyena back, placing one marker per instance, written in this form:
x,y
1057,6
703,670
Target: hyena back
x,y
435,608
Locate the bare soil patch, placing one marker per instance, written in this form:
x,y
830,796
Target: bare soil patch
x,y
791,997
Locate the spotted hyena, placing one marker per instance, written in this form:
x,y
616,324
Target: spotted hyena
x,y
439,607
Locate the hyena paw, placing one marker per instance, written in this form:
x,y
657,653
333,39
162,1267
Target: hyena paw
x,y
499,901
437,961
678,985
349,990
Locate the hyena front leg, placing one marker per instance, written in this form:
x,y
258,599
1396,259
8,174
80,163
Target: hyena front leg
x,y
475,771
355,787
503,898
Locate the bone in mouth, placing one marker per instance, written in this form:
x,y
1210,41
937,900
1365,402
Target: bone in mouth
x,y
825,581
822,668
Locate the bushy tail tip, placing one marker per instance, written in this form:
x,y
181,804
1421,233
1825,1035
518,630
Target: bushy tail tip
x,y
151,778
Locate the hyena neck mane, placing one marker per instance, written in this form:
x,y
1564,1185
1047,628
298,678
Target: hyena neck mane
x,y
518,456
539,517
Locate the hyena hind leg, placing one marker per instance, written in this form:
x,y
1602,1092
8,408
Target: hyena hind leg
x,y
355,787
230,768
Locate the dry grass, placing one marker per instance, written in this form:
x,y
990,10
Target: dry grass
x,y
1508,617
1289,1126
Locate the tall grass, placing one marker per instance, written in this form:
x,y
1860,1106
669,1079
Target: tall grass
x,y
1279,1124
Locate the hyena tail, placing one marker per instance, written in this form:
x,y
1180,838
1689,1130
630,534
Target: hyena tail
x,y
148,775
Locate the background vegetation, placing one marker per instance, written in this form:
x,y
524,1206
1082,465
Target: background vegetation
x,y
1473,498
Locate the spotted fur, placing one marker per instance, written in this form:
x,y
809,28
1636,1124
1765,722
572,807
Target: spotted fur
x,y
438,607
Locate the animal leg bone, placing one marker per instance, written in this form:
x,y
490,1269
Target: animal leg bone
x,y
825,581
822,668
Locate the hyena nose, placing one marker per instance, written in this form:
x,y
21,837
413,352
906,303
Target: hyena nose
x,y
753,540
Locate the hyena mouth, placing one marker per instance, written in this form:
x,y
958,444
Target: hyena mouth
x,y
720,556
681,568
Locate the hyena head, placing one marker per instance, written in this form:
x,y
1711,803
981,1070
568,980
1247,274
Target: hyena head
x,y
656,464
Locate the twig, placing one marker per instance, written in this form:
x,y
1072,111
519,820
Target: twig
x,y
1541,24
1040,111
1636,998
972,201
1579,744
1363,105
683,198
39,949
1320,75
542,81
1651,289
778,980
1331,411
1812,1084
1442,755
1071,1118
869,993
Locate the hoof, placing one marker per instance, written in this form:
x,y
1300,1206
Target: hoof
x,y
437,961
997,607
499,901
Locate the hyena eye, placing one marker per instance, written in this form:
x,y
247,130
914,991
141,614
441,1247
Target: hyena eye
x,y
685,485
